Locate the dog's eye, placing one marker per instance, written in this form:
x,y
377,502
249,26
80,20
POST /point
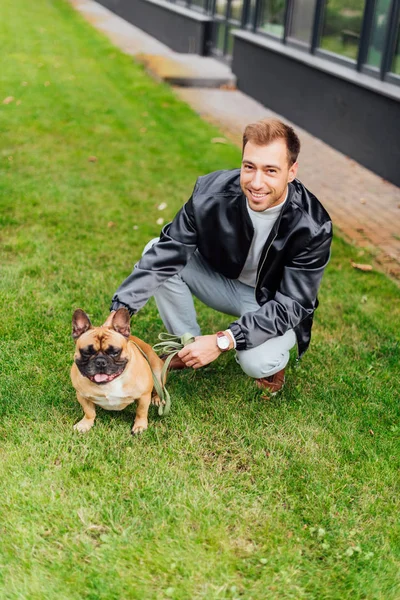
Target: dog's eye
x,y
88,351
113,352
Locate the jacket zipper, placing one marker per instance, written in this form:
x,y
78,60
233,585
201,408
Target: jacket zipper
x,y
268,249
262,264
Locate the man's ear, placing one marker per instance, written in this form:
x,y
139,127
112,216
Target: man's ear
x,y
80,323
121,322
293,171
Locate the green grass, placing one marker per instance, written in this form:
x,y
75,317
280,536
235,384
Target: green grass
x,y
230,496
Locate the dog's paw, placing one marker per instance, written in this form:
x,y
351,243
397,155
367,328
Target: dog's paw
x,y
156,401
84,425
139,426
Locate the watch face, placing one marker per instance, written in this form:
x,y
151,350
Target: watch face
x,y
222,342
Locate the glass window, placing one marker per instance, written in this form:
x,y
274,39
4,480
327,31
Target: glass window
x,y
236,10
251,15
396,59
378,33
302,19
221,7
220,37
271,17
342,27
230,41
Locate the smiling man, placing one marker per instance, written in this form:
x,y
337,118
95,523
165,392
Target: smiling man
x,y
252,242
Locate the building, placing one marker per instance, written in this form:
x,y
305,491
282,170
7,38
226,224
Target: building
x,y
330,66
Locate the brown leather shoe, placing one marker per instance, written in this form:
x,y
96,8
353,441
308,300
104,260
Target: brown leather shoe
x,y
272,384
176,363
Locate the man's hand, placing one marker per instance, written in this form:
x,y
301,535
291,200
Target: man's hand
x,y
201,352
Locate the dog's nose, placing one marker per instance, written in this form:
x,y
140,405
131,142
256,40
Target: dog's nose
x,y
100,362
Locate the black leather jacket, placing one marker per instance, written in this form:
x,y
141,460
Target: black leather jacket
x,y
216,222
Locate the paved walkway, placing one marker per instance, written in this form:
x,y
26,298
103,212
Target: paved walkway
x,y
363,206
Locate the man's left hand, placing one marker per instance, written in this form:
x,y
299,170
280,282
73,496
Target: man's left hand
x,y
201,352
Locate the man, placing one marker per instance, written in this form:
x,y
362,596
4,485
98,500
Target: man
x,y
252,243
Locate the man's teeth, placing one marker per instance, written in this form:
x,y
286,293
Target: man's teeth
x,y
258,195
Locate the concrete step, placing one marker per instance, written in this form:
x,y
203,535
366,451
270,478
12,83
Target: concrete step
x,y
188,70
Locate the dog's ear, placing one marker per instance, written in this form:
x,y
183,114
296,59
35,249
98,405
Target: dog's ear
x,y
121,322
80,323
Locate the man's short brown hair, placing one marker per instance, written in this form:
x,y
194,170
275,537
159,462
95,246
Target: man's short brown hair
x,y
266,131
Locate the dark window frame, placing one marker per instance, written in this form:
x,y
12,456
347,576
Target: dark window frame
x,y
390,47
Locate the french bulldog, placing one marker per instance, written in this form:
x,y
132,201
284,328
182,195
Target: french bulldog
x,y
110,371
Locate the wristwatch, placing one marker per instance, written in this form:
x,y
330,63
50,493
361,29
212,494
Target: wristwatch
x,y
223,342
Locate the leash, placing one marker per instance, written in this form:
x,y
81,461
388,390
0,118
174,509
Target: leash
x,y
170,345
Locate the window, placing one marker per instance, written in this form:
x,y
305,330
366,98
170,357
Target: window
x,y
396,59
221,7
378,33
220,34
251,15
272,17
302,19
342,27
236,10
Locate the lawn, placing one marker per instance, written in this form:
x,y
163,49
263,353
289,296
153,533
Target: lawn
x,y
231,496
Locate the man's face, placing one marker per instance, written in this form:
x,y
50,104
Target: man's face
x,y
265,174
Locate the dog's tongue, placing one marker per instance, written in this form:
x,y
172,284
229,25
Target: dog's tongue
x,y
100,377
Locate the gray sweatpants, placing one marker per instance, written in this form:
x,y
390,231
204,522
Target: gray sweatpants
x,y
175,304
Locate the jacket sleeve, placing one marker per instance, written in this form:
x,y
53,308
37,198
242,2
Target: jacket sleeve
x,y
164,259
295,298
